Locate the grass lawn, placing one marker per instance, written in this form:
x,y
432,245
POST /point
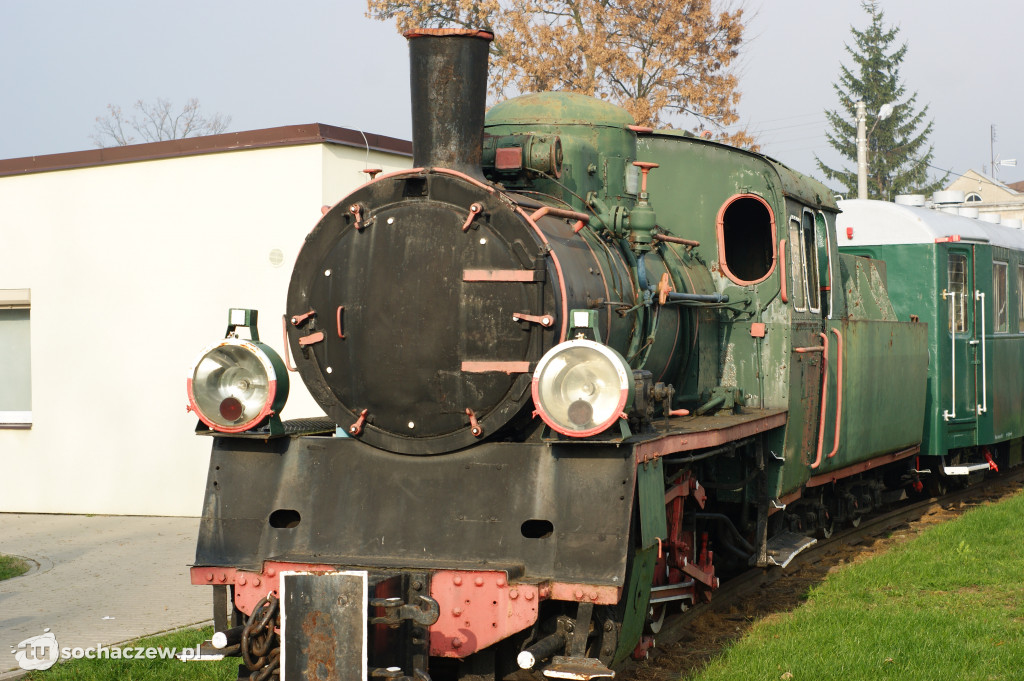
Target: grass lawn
x,y
12,567
948,605
146,670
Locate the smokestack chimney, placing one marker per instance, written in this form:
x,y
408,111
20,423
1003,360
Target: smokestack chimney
x,y
448,74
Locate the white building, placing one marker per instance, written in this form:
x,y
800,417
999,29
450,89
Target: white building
x,y
118,267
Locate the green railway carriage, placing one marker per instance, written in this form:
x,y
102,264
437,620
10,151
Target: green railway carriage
x,y
965,278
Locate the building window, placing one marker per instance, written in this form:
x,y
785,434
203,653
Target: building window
x,y
973,197
1000,309
15,364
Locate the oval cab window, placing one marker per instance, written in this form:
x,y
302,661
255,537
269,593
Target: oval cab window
x,y
746,239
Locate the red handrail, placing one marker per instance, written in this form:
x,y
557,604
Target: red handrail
x,y
782,271
839,390
824,399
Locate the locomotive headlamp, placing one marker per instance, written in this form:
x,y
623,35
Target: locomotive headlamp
x,y
236,384
582,387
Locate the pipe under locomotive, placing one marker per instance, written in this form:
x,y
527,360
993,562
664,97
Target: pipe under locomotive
x,y
434,526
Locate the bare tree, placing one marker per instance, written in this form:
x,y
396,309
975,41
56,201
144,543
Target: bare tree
x,y
154,122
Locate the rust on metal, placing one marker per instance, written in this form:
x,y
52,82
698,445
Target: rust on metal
x,y
474,426
357,427
503,275
357,212
559,213
501,367
337,318
857,468
320,639
689,243
712,431
508,158
545,320
299,318
592,593
424,32
474,210
311,339
481,602
664,288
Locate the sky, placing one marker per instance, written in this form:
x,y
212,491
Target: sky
x,y
269,64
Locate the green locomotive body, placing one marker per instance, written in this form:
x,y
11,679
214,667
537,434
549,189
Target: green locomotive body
x,y
715,382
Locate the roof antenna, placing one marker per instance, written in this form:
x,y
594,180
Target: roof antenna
x,y
372,172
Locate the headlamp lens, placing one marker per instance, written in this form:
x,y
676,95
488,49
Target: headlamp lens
x,y
581,387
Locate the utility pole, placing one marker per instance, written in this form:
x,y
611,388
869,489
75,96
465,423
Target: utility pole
x,y
992,150
862,150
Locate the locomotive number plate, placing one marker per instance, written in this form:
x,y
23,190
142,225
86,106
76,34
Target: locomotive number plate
x,y
323,626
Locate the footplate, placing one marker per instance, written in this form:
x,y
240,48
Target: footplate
x,y
324,626
784,547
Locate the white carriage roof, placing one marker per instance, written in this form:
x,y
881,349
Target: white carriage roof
x,y
880,223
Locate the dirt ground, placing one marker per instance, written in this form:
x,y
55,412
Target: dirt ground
x,y
714,630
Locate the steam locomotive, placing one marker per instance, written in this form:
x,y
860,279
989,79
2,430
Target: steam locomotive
x,y
575,371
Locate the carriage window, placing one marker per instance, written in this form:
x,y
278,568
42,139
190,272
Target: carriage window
x,y
746,239
796,264
957,285
824,267
1020,298
811,262
1000,310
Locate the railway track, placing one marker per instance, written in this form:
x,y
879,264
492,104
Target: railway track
x,y
689,639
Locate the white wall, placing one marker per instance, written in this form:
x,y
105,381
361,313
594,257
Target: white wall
x,y
132,269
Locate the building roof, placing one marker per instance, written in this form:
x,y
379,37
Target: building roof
x,y
286,136
1016,186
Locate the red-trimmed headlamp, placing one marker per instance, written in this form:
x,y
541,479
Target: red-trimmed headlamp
x,y
236,384
582,387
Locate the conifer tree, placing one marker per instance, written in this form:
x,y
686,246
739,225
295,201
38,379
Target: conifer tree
x,y
899,152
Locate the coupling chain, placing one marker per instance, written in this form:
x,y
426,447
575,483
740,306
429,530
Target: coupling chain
x,y
260,648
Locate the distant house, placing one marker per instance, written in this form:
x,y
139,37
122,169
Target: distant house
x,y
989,195
117,268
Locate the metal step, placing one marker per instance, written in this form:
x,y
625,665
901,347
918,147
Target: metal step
x,y
577,669
782,548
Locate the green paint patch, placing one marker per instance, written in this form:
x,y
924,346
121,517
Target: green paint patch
x,y
146,669
949,604
12,566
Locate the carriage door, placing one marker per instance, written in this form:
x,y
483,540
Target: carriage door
x,y
808,327
961,354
